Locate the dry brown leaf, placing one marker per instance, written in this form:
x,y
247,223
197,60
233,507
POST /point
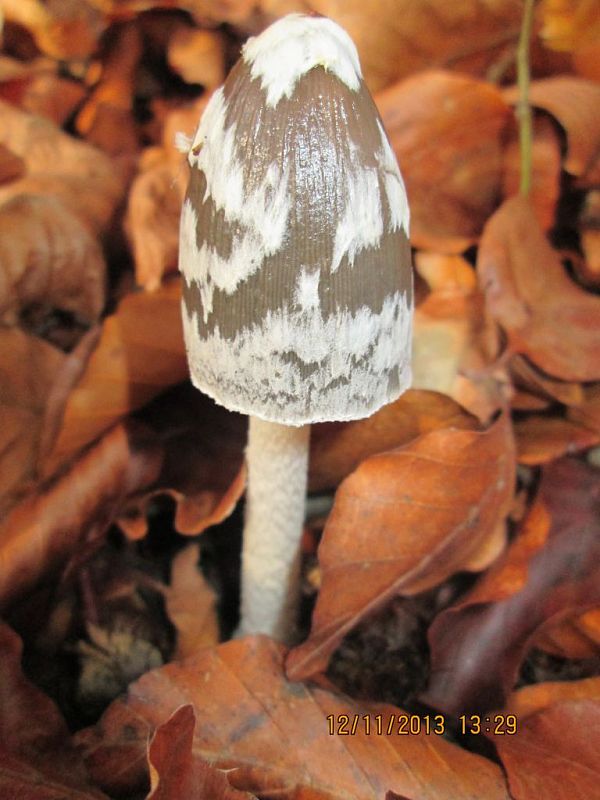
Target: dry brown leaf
x,y
454,346
198,56
63,29
190,604
11,165
448,273
549,574
446,131
403,522
338,449
106,119
28,367
574,103
541,439
177,772
529,293
49,260
152,221
80,175
527,378
45,528
569,23
531,699
140,353
37,761
274,737
546,160
577,637
555,753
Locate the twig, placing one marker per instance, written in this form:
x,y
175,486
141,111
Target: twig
x,y
523,107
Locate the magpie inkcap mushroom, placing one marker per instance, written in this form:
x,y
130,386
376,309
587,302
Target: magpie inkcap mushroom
x,y
297,278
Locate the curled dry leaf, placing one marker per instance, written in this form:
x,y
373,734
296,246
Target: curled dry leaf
x,y
274,736
454,346
82,177
37,761
577,637
139,354
530,295
338,448
42,530
203,461
152,222
49,260
528,379
549,574
405,521
11,165
446,131
190,604
177,772
569,23
541,439
573,102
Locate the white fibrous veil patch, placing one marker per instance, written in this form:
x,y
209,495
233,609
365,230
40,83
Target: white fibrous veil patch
x,y
296,367
293,46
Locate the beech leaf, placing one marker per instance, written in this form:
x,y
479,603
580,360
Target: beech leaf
x,y
403,522
274,737
549,574
530,295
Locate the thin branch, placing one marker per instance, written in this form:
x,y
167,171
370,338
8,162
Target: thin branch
x,y
523,110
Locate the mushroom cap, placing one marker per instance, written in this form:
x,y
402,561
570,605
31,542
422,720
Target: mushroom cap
x,y
297,278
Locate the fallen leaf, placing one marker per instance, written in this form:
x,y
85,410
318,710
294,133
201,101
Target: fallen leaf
x,y
190,604
529,378
28,367
555,753
576,638
454,352
338,448
152,221
37,760
49,259
198,56
446,131
531,699
82,177
44,528
530,295
176,771
274,736
541,439
569,23
549,574
11,165
403,522
140,353
571,101
63,29
202,470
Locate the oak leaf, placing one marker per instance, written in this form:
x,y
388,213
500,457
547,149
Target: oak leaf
x,y
404,521
274,737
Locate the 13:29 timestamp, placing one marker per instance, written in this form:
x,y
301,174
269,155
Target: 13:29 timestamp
x,y
497,724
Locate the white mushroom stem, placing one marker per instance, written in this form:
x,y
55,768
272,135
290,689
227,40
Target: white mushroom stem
x,y
277,462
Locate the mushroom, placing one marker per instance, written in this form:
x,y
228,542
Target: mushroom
x,y
297,278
